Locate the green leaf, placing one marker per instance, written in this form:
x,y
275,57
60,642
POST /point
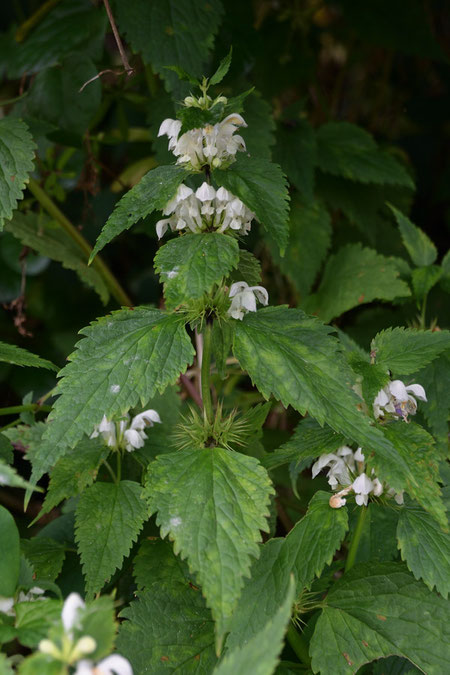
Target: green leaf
x,y
152,193
55,94
425,548
416,446
212,503
73,472
10,477
156,563
378,610
39,663
171,32
261,185
22,357
38,451
309,241
109,517
309,440
295,151
258,134
260,655
10,558
223,68
302,553
190,265
394,665
69,27
98,621
423,280
378,541
421,249
168,628
126,357
34,619
183,75
248,269
435,378
49,239
374,376
222,339
6,449
16,162
293,357
344,149
45,555
406,350
352,277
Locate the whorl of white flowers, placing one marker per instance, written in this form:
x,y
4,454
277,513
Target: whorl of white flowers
x,y
205,209
123,434
396,398
346,471
7,604
73,652
212,145
244,299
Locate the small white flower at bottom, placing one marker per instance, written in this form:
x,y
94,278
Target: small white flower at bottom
x,y
112,665
397,399
244,299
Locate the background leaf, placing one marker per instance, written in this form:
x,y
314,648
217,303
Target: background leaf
x,y
16,162
22,357
404,350
421,249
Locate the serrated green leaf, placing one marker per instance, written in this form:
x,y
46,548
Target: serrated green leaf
x,y
125,357
168,628
223,68
109,517
70,27
416,446
152,193
261,185
423,280
190,265
378,610
352,277
6,449
309,240
260,655
39,663
344,149
169,32
309,440
183,75
394,665
10,477
10,558
435,378
421,249
22,357
425,548
374,376
406,350
378,541
55,94
296,151
34,619
212,503
302,553
156,563
45,555
259,132
293,357
49,239
248,269
98,621
16,162
222,339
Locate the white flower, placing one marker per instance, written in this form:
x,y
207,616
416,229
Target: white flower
x,y
340,465
244,299
107,430
31,595
6,606
145,419
128,436
362,486
112,665
70,614
396,398
206,209
213,144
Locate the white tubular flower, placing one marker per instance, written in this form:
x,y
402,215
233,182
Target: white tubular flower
x,y
340,465
112,665
6,606
362,486
107,430
213,144
73,604
145,419
33,594
244,299
397,399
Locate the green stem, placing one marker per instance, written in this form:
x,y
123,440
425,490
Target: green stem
x,y
353,550
108,466
52,209
32,407
423,313
14,423
119,466
298,644
206,372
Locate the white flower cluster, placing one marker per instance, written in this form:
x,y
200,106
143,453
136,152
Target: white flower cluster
x,y
7,604
212,145
206,208
346,471
244,299
396,399
123,434
73,652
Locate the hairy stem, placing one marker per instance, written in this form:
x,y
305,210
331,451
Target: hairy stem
x,y
353,550
206,372
52,209
28,407
298,644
